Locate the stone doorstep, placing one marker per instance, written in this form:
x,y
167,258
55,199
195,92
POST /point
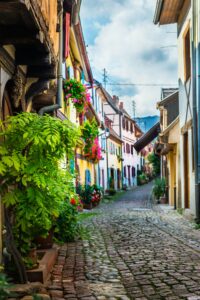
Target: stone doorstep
x,y
46,264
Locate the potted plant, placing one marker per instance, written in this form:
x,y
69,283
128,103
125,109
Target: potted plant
x,y
89,134
159,189
96,195
96,150
85,193
77,92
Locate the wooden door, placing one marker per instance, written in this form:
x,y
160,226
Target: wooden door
x,y
118,179
186,171
103,179
129,175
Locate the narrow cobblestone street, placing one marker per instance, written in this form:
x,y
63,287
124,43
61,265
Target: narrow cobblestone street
x,y
131,254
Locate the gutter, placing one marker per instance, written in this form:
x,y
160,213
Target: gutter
x,y
195,98
157,14
51,108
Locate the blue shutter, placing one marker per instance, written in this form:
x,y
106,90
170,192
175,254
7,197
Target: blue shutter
x,y
72,166
87,177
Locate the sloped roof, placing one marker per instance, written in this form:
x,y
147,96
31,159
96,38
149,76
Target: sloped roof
x,y
165,92
114,135
110,100
167,11
170,97
147,138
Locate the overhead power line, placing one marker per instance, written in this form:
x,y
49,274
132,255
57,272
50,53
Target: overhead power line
x,y
143,84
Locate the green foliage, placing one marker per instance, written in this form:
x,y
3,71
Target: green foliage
x,y
78,93
4,287
159,187
85,192
90,193
180,210
142,179
155,161
89,133
33,184
67,228
111,191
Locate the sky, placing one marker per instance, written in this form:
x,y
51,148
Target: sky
x,y
121,37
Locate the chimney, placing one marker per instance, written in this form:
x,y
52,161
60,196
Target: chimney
x,y
121,105
116,100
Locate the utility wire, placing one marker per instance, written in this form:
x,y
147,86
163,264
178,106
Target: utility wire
x,y
142,84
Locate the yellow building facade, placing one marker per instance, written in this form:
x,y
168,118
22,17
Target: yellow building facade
x,y
77,66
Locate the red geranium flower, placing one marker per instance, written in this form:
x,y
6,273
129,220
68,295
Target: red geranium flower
x,y
73,201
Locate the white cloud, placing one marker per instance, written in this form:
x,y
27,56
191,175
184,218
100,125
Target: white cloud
x,y
128,45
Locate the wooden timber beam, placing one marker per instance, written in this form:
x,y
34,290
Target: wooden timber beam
x,y
46,72
29,58
19,36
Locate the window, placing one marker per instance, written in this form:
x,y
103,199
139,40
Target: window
x,y
187,61
133,172
103,143
125,171
87,177
123,123
131,127
132,151
126,125
127,148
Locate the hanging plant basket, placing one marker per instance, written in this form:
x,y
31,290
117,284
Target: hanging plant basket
x,y
78,93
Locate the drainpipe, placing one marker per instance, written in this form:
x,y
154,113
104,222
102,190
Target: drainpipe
x,y
51,108
108,185
195,98
198,112
122,165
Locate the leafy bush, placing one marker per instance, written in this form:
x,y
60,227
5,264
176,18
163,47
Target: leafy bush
x,y
67,224
142,179
85,192
155,161
89,133
33,185
4,287
90,194
159,187
111,192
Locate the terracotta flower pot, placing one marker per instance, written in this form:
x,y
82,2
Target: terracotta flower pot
x,y
45,242
87,205
163,200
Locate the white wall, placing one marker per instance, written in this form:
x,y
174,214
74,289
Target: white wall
x,y
185,115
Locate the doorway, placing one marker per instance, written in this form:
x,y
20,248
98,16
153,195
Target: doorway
x,y
186,170
118,179
112,178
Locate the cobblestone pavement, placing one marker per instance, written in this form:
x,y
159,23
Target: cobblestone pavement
x,y
134,252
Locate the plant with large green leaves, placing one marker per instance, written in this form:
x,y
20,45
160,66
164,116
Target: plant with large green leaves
x,y
33,184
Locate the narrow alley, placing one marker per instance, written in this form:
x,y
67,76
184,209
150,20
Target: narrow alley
x,y
135,250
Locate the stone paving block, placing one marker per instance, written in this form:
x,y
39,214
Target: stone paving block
x,y
131,254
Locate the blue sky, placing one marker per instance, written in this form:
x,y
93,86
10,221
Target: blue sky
x,y
121,37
